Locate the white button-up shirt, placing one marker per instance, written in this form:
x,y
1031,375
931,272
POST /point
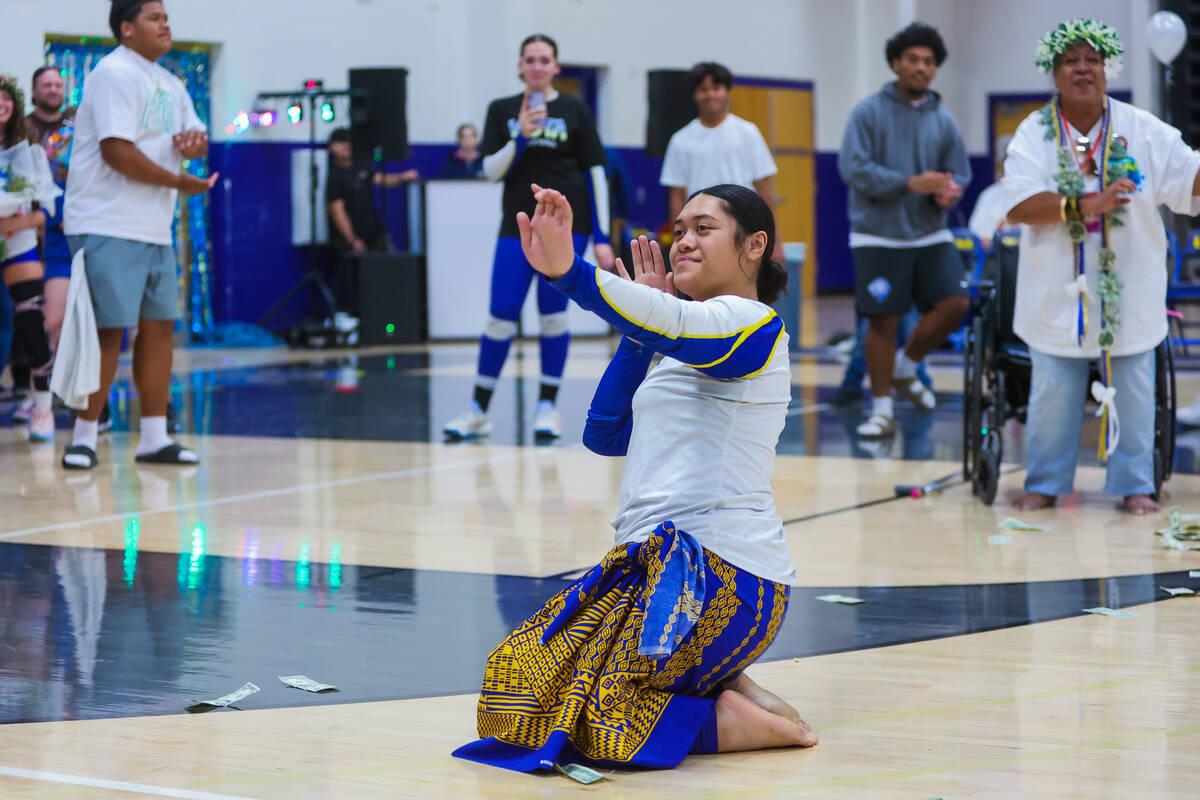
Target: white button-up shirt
x,y
1045,313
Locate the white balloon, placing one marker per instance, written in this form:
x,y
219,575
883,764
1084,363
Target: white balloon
x,y
1166,35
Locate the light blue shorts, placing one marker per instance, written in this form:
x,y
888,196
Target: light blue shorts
x,y
129,280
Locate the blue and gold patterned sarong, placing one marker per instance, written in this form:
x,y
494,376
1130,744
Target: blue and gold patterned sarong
x,y
623,666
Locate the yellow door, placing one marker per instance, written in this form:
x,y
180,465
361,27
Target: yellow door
x,y
784,115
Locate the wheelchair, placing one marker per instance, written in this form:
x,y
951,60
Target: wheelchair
x,y
997,374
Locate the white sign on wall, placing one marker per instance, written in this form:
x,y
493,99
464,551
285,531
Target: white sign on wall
x,y
301,198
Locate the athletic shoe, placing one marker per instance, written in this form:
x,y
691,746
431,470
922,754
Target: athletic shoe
x,y
104,424
877,426
468,425
1190,414
917,392
24,410
547,424
41,426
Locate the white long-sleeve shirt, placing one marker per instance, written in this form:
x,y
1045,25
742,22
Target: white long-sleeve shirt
x,y
699,432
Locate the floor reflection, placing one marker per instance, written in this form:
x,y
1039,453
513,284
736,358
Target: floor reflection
x,y
109,633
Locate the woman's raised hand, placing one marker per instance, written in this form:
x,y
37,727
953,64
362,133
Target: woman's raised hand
x,y
648,266
546,239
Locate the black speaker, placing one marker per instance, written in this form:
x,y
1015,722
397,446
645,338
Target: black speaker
x,y
671,107
391,298
379,112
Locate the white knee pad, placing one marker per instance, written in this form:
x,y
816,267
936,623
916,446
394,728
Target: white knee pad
x,y
554,324
500,329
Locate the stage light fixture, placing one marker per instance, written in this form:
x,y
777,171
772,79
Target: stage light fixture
x,y
240,124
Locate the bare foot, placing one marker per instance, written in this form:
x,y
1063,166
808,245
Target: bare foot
x,y
1140,504
762,698
1032,501
741,725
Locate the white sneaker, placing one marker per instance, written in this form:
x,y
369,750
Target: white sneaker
x,y
468,425
1190,414
547,424
24,410
41,426
917,392
877,426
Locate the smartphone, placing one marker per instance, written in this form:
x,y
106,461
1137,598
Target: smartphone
x,y
537,100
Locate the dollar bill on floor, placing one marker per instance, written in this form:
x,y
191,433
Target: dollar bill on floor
x,y
306,683
578,772
1178,591
1012,524
1173,543
1110,612
840,598
999,538
225,700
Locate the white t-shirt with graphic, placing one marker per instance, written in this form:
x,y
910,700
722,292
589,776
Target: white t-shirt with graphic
x,y
732,152
126,97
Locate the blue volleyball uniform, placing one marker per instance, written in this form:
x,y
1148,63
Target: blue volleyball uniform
x,y
561,155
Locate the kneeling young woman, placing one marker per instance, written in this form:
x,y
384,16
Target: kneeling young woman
x,y
642,660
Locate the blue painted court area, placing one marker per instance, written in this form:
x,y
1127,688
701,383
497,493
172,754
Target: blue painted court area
x,y
92,633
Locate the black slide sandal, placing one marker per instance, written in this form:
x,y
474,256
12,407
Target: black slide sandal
x,y
168,455
79,456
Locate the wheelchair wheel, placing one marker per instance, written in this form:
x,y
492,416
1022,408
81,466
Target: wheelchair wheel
x,y
973,368
1159,474
1164,415
968,365
987,468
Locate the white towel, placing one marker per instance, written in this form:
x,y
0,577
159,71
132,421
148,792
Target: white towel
x,y
77,361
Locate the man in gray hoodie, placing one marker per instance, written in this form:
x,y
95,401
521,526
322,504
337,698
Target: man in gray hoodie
x,y
904,160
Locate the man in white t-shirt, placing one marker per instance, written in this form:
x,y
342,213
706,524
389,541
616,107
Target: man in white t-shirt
x,y
717,147
133,130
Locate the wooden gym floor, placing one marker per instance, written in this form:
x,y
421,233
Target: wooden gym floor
x,y
329,531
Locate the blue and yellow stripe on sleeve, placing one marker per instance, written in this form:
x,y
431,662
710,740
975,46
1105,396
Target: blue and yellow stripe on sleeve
x,y
725,337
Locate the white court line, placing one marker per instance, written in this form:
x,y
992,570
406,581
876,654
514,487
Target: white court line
x,y
802,410
241,498
120,786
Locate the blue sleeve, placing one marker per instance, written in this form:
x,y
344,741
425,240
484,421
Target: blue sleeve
x,y
54,217
725,337
610,417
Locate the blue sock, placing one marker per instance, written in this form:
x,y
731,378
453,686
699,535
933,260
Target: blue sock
x,y
492,354
554,355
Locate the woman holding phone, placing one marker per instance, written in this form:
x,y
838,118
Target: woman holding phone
x,y
538,136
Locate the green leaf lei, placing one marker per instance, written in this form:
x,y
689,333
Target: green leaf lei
x,y
1069,181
